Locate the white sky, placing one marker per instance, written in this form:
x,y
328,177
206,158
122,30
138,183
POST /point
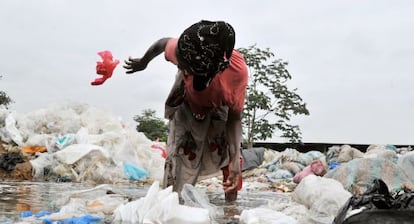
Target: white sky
x,y
350,60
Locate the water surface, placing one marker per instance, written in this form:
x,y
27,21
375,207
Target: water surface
x,y
17,197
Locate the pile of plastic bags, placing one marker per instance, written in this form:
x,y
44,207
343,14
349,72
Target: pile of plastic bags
x,y
81,143
78,143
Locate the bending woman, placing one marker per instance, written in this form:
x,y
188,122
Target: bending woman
x,y
204,106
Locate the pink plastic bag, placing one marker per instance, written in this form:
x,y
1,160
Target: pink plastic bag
x,y
105,68
316,168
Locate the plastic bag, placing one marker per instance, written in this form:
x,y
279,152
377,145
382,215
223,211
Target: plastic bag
x,y
265,216
378,205
194,198
317,168
134,172
322,196
105,67
75,152
357,174
12,131
406,162
65,140
160,206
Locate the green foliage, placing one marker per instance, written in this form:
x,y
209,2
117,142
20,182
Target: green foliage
x,y
268,95
153,127
4,98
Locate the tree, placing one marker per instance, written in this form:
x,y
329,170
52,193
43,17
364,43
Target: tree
x,y
268,95
153,127
4,98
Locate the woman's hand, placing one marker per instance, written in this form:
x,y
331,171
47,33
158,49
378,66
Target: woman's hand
x,y
135,64
138,64
233,181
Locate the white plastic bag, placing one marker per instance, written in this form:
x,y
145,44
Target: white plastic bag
x,y
12,131
322,196
195,198
406,163
75,152
265,216
160,206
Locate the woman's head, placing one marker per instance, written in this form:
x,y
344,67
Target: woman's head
x,y
204,49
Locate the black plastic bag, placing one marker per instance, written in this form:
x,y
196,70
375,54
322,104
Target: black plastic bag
x,y
379,206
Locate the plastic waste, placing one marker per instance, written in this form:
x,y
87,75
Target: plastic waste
x,y
134,172
12,132
65,140
161,147
316,168
252,158
34,149
193,197
315,155
357,174
26,214
279,174
75,152
406,162
333,165
160,206
105,67
86,219
348,153
265,216
377,205
8,161
380,151
42,213
322,196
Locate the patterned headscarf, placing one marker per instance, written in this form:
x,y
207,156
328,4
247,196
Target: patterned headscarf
x,y
205,49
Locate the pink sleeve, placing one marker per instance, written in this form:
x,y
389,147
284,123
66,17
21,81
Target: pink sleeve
x,y
169,51
235,82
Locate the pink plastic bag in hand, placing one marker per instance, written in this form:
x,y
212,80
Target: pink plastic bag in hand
x,y
105,67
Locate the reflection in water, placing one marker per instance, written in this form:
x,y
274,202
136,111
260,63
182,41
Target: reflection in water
x,y
16,197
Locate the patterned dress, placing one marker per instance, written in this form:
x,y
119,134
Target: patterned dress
x,y
197,144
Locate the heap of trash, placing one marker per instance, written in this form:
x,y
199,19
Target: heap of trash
x,y
74,142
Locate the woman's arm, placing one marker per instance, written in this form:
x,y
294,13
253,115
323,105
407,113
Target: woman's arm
x,y
234,133
138,64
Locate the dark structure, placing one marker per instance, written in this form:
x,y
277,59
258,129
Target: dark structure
x,y
306,147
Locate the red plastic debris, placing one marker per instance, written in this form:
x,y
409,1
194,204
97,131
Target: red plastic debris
x,y
105,68
160,146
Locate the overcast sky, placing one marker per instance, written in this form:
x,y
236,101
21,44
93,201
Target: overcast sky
x,y
352,61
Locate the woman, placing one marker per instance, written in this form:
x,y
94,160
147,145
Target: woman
x,y
204,105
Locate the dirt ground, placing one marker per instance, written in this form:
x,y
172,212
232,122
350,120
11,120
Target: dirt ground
x,y
22,171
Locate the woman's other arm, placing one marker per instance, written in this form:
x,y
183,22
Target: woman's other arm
x,y
138,64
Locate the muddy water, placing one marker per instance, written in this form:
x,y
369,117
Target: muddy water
x,y
16,197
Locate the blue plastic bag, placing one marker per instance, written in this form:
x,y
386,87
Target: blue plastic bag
x,y
134,172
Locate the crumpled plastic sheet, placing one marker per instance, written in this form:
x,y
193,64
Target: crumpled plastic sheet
x,y
357,174
322,196
265,216
406,162
160,206
12,134
194,197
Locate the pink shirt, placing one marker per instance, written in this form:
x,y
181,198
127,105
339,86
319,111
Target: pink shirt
x,y
227,87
